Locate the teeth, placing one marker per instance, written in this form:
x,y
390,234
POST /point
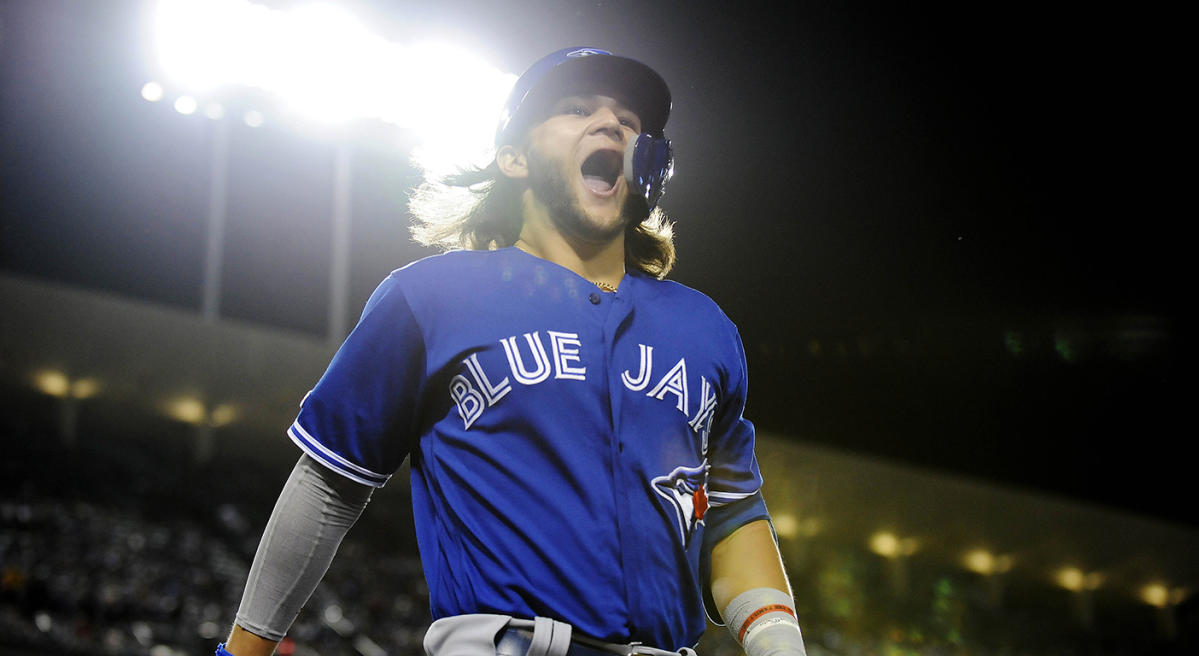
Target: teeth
x,y
597,184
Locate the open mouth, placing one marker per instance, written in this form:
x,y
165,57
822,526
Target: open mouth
x,y
601,170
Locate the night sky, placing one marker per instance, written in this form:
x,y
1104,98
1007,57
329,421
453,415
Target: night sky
x,y
951,236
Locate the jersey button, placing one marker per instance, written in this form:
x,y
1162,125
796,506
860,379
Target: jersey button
x,y
594,298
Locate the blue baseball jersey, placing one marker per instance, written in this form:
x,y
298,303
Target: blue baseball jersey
x,y
565,443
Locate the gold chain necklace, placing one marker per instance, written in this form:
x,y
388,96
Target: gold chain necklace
x,y
602,285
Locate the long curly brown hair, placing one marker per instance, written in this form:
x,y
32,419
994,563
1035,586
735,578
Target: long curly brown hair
x,y
479,209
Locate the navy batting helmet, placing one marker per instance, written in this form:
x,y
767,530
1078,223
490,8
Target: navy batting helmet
x,y
649,159
575,70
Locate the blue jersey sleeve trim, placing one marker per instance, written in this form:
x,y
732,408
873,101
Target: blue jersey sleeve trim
x,y
326,457
717,499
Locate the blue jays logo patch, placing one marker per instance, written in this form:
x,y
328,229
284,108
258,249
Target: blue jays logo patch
x,y
686,488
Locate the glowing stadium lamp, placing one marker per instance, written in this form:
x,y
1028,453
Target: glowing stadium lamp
x,y
990,566
981,561
896,550
187,410
332,66
59,385
811,526
789,526
1160,595
1082,585
889,545
52,383
223,415
1075,580
84,388
455,118
186,105
1164,599
199,43
191,410
152,91
884,544
325,65
1156,595
69,393
786,525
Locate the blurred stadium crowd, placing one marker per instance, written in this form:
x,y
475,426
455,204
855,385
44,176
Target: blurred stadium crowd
x,y
122,545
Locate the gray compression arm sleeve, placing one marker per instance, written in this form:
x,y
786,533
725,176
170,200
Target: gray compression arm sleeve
x,y
315,509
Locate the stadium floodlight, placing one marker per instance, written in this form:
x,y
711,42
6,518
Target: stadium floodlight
x,y
884,543
982,561
223,415
453,107
191,410
85,388
152,91
186,105
786,525
1160,595
325,65
58,384
1155,594
890,545
188,410
199,44
789,525
53,383
1076,580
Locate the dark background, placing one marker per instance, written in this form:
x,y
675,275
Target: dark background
x,y
951,235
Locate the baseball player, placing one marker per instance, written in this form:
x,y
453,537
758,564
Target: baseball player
x,y
583,479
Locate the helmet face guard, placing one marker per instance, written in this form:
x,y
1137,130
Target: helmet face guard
x,y
649,160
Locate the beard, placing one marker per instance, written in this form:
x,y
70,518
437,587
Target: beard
x,y
548,182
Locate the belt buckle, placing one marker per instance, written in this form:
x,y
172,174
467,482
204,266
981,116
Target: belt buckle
x,y
635,650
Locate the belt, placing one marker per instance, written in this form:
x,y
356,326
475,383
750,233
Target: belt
x,y
513,641
483,633
516,642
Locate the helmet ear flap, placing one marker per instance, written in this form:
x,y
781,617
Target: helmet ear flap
x,y
648,165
